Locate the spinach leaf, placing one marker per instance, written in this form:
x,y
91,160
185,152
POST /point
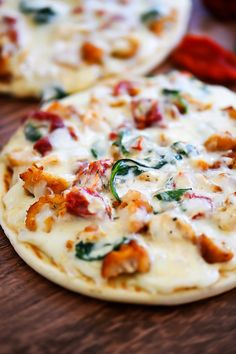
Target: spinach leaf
x,y
44,15
150,16
40,15
32,133
53,93
169,92
94,152
124,166
172,195
88,251
120,144
184,149
177,99
26,7
181,105
97,149
160,164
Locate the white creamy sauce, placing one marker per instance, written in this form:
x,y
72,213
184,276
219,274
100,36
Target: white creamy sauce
x,y
49,53
175,260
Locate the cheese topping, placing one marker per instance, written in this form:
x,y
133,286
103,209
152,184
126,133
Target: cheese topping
x,y
136,193
65,46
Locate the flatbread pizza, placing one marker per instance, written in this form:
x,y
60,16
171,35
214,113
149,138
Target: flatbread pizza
x,y
127,191
53,48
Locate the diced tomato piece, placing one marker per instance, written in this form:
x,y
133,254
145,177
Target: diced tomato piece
x,y
72,133
123,127
55,120
77,202
78,10
9,20
94,167
138,145
10,23
125,87
146,113
113,135
43,146
13,35
198,216
90,174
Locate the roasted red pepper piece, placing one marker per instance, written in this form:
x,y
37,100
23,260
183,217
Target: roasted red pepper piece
x,y
125,87
90,174
113,135
95,167
43,146
9,20
206,59
138,145
55,120
72,133
12,33
146,113
78,202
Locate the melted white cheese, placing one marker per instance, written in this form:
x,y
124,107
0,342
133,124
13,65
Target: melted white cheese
x,y
175,260
49,54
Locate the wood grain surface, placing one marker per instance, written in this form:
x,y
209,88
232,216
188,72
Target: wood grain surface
x,y
37,316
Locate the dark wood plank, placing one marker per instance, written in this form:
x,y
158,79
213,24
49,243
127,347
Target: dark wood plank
x,y
37,316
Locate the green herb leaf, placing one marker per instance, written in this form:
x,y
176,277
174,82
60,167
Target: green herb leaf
x,y
181,105
53,93
177,99
150,16
124,166
44,15
172,195
184,149
119,143
160,164
26,7
94,153
32,133
97,149
40,15
168,92
88,251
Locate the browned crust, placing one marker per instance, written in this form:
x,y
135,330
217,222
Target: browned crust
x,y
8,178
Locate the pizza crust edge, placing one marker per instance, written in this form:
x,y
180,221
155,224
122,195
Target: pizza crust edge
x,y
78,285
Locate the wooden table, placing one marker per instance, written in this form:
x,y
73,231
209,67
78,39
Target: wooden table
x,y
37,316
